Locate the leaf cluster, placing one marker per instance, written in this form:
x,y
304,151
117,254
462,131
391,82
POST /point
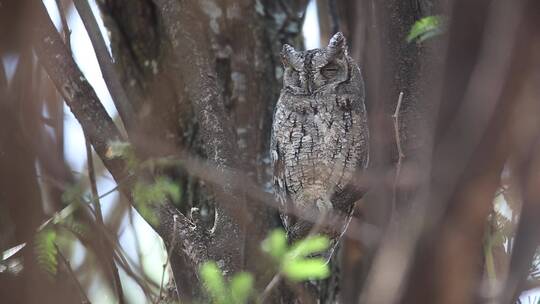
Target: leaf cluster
x,y
427,27
238,290
46,252
297,262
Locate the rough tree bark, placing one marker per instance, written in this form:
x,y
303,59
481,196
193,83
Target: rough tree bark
x,y
204,77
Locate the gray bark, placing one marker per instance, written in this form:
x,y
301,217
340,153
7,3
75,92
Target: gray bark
x,y
204,77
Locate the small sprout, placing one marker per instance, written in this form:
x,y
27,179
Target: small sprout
x,y
310,245
275,244
427,27
241,287
296,262
147,196
238,291
214,282
306,269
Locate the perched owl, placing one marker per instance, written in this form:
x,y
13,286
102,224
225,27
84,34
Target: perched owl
x,y
319,135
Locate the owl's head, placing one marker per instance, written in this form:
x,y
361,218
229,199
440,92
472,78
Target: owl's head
x,y
312,71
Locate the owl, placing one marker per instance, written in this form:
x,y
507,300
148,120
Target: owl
x,y
319,136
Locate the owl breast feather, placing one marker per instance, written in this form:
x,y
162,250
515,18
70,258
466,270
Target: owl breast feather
x,y
320,142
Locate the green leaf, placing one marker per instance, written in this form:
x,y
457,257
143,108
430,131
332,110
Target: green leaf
x,y
306,269
426,28
276,244
310,245
214,282
147,196
45,251
241,287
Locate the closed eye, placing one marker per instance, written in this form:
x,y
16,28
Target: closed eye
x,y
292,77
329,71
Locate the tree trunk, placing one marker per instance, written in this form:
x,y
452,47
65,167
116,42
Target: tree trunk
x,y
203,77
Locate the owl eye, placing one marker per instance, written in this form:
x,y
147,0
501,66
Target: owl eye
x,y
330,71
293,77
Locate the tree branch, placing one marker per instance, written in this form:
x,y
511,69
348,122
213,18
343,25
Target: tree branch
x,y
98,125
120,99
72,276
75,89
183,22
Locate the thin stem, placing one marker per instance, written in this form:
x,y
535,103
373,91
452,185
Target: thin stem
x,y
73,277
60,124
171,248
93,184
271,285
65,27
395,117
106,64
117,283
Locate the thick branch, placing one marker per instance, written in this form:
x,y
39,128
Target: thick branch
x,y
97,124
75,89
184,25
192,49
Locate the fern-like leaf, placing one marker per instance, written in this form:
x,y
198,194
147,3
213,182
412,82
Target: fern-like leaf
x,y
45,251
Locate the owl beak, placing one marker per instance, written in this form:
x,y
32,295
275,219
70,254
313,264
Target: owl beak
x,y
309,86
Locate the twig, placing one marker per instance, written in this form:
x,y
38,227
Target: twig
x,y
84,298
138,245
93,184
271,285
99,217
119,256
171,247
65,27
60,124
106,65
395,117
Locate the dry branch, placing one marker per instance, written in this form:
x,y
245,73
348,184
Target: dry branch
x,y
98,125
110,75
75,89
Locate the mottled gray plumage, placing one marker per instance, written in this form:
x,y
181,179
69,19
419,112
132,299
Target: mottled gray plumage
x,y
320,133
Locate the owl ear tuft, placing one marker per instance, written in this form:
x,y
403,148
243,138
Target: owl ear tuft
x,y
288,55
338,45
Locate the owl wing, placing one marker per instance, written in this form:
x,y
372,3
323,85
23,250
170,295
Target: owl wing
x,y
278,177
352,191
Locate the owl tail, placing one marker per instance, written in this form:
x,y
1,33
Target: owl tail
x,y
301,228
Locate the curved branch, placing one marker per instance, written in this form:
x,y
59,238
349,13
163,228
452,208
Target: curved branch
x,y
106,65
98,125
75,89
